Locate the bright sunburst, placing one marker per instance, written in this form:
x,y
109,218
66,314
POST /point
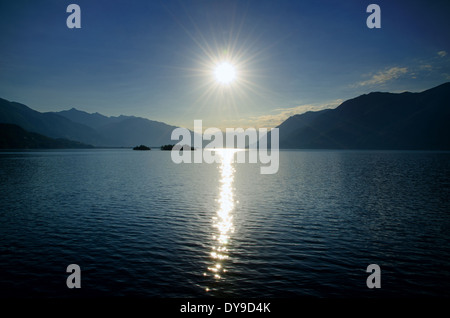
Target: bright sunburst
x,y
225,73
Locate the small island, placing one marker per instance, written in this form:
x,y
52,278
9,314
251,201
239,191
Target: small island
x,y
177,147
142,147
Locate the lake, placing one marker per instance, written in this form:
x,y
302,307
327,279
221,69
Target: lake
x,y
139,225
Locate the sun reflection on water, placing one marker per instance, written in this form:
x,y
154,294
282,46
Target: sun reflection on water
x,y
223,220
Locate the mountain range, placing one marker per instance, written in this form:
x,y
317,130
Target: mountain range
x,y
123,131
93,129
15,137
404,121
414,121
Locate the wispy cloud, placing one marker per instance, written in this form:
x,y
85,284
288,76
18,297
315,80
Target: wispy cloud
x,y
425,67
384,76
281,114
432,66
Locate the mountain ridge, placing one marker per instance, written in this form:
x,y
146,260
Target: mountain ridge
x,y
14,137
94,129
48,124
378,120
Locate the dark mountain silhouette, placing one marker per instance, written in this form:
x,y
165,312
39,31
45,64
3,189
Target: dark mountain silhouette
x,y
15,137
134,130
123,130
415,121
94,121
95,129
48,124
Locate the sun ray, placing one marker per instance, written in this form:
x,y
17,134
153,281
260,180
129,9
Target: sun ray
x,y
227,70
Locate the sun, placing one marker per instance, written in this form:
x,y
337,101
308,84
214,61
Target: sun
x,y
225,73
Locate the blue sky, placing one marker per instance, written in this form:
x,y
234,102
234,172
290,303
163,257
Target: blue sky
x,y
156,59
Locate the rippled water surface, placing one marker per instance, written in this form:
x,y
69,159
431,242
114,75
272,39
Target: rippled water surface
x,y
139,225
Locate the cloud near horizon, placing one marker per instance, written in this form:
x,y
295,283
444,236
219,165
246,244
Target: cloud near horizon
x,y
281,114
385,76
